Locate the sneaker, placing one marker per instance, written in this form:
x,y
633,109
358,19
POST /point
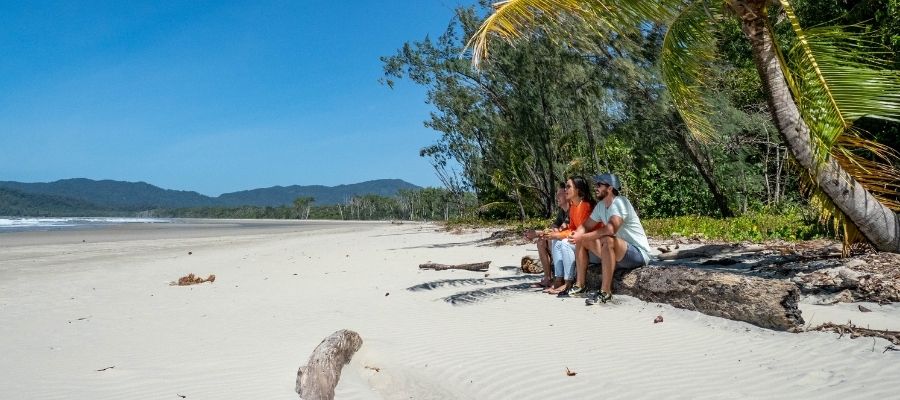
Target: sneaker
x,y
576,291
600,297
593,297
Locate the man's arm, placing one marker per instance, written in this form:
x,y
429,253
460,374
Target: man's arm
x,y
610,229
583,229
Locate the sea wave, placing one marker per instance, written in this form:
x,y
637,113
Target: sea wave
x,y
34,223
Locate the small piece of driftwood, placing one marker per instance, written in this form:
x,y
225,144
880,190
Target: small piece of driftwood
x,y
191,279
481,267
854,331
532,265
704,251
318,378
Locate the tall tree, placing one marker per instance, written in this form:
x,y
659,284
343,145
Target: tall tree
x,y
831,78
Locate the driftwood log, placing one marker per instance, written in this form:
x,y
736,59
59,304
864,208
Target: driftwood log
x,y
481,267
317,379
768,303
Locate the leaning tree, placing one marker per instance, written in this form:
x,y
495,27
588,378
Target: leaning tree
x,y
817,82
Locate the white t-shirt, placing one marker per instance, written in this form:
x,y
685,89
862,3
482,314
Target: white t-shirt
x,y
631,230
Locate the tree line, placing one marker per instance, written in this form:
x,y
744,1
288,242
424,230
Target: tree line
x,y
578,94
427,204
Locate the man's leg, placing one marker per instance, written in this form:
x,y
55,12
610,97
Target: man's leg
x,y
581,264
543,246
612,250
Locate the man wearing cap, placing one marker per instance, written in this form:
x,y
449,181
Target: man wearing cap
x,y
620,243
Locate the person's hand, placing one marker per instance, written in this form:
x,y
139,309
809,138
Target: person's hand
x,y
531,234
576,237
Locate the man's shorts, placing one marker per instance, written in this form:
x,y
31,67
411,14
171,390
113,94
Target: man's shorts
x,y
632,259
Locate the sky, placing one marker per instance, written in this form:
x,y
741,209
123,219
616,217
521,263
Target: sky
x,y
213,96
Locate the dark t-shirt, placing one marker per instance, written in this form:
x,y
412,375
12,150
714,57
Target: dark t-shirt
x,y
562,219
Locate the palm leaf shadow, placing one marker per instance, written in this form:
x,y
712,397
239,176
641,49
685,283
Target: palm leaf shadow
x,y
466,282
475,296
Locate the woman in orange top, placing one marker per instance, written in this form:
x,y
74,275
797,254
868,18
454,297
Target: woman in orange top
x,y
581,203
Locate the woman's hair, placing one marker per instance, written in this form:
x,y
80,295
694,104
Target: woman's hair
x,y
583,189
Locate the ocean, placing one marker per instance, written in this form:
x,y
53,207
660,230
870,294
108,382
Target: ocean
x,y
23,224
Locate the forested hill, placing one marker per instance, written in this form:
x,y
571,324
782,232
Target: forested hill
x,y
114,194
17,204
87,194
323,195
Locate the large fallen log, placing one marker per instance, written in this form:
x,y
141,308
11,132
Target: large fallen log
x,y
769,303
317,379
481,267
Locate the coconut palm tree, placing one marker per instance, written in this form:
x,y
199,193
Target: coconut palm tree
x,y
816,89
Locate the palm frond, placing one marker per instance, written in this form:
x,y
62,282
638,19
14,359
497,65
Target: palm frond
x,y
836,76
688,51
512,19
840,76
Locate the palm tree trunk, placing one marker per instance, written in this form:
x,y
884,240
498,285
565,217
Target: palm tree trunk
x,y
879,224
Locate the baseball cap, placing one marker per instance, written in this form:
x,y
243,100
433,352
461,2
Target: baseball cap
x,y
609,179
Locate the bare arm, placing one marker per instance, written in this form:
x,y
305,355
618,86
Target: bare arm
x,y
609,229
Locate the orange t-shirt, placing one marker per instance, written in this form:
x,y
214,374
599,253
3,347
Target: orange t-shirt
x,y
578,213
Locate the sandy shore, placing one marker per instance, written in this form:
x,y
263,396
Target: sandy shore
x,y
90,315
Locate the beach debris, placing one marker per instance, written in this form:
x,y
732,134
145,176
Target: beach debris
x,y
191,279
190,252
480,267
104,369
386,294
181,395
855,332
570,372
863,308
530,265
890,347
316,380
664,249
658,319
376,369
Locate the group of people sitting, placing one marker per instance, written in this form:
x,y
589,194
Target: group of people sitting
x,y
607,231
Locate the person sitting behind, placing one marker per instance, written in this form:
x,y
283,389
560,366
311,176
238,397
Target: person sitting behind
x,y
542,238
620,243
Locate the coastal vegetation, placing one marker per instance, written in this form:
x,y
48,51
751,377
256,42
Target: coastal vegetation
x,y
671,96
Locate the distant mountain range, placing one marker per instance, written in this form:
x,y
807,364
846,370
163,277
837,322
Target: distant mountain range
x,y
79,194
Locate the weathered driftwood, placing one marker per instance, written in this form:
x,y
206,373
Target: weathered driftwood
x,y
532,265
482,266
191,279
768,303
317,379
702,251
855,331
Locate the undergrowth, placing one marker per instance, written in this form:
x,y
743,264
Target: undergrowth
x,y
754,226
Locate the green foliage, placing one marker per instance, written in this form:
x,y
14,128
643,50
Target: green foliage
x,y
753,226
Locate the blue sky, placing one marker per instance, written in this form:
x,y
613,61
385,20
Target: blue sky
x,y
212,96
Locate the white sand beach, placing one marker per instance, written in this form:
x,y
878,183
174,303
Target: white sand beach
x,y
90,314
